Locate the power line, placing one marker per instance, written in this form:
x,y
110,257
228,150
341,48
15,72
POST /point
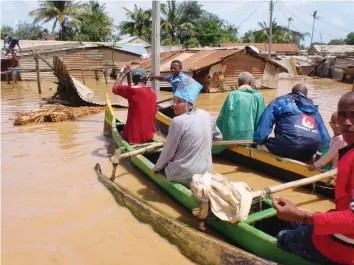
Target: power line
x,y
319,19
346,30
291,13
250,15
283,13
292,25
308,24
299,19
295,8
243,8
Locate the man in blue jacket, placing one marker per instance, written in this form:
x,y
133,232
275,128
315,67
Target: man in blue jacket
x,y
299,128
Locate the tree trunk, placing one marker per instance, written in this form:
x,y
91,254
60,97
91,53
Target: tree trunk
x,y
62,31
172,36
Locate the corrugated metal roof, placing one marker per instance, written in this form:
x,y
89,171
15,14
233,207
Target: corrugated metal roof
x,y
126,40
129,48
203,59
133,48
163,56
262,47
134,39
215,48
192,60
336,49
167,48
50,48
302,60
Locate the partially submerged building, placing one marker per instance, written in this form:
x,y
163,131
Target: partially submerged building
x,y
76,56
299,64
338,61
332,50
218,69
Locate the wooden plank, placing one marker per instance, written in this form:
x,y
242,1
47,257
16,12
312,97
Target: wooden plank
x,y
38,74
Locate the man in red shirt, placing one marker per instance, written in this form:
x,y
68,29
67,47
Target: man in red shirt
x,y
140,127
326,238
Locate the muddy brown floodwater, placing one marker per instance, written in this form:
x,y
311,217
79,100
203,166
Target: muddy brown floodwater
x,y
54,211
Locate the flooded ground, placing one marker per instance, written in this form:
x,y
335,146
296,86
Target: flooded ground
x,y
54,211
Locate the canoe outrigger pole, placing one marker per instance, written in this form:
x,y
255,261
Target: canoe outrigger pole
x,y
118,155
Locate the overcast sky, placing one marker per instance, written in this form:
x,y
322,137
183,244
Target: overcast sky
x,y
336,17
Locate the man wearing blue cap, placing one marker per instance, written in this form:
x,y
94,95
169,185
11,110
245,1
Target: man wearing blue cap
x,y
140,127
187,150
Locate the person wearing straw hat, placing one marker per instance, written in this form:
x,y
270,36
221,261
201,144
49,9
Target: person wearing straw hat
x,y
187,150
140,125
326,238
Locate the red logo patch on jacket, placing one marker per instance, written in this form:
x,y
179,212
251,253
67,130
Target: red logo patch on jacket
x,y
307,121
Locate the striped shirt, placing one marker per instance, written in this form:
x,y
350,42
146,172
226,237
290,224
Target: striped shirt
x,y
336,144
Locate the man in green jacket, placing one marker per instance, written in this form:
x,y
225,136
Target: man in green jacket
x,y
241,111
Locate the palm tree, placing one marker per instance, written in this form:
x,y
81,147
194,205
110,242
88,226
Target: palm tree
x,y
249,37
63,12
262,35
280,34
138,24
289,20
314,15
96,25
176,23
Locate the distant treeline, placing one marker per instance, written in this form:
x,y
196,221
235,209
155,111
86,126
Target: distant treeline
x,y
186,24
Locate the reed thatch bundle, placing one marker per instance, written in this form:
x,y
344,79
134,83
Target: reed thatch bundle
x,y
54,113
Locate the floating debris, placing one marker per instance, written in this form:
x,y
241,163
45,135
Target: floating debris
x,y
54,113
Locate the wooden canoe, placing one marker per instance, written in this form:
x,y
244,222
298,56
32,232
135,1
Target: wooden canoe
x,y
278,167
256,234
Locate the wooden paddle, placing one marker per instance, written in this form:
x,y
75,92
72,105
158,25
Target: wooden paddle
x,y
295,184
118,155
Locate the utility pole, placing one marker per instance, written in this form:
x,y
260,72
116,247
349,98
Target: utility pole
x,y
321,37
156,45
271,7
314,15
